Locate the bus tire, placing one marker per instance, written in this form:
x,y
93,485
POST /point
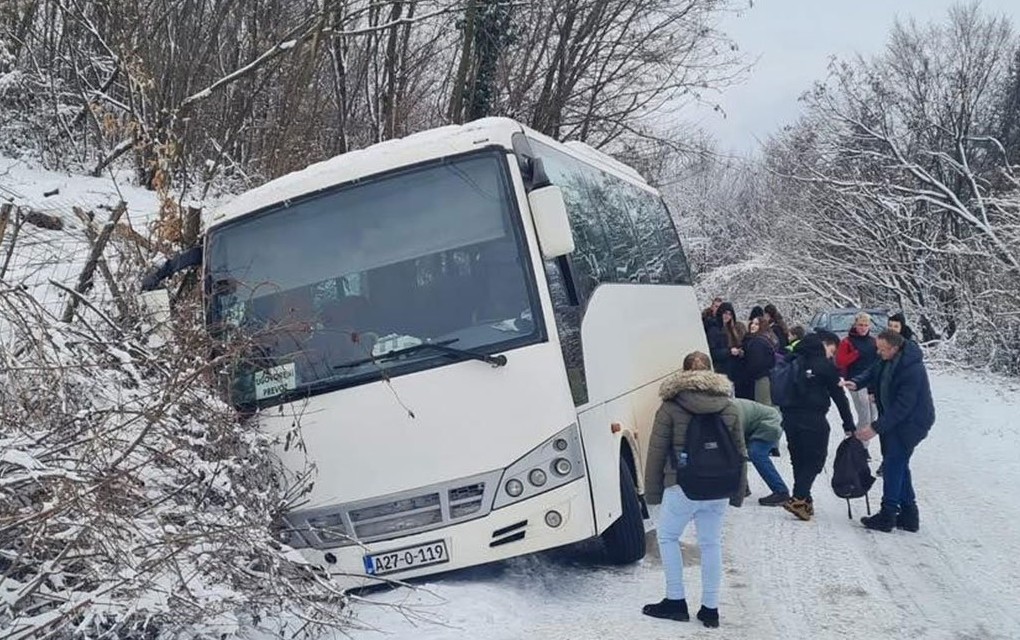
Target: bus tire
x,y
624,540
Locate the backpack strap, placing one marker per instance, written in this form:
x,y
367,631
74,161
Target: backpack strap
x,y
850,513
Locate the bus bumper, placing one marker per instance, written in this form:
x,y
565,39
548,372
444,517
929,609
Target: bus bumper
x,y
510,531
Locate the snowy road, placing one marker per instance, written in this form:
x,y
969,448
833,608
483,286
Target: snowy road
x,y
959,578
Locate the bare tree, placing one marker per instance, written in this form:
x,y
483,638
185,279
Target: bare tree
x,y
897,187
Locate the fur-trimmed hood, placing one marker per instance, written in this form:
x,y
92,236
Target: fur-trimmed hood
x,y
698,391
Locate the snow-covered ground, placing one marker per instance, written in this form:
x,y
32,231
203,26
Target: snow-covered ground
x,y
43,254
958,578
828,578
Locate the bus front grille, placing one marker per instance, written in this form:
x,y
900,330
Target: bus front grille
x,y
394,515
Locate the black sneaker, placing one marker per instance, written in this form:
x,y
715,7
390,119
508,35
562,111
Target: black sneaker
x,y
668,609
774,500
709,617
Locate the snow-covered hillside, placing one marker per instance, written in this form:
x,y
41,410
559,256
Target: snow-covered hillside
x,y
785,579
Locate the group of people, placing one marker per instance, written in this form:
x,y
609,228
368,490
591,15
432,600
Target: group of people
x,y
887,383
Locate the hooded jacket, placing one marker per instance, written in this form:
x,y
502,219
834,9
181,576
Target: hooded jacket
x,y
820,385
684,395
903,394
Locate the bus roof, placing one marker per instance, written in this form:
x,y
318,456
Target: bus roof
x,y
392,154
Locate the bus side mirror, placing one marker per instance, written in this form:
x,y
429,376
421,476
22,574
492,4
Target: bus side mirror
x,y
551,221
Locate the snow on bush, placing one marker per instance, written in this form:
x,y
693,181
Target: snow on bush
x,y
133,502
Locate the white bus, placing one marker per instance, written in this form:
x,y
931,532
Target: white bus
x,y
470,325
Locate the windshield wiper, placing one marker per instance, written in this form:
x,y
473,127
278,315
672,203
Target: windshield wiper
x,y
443,347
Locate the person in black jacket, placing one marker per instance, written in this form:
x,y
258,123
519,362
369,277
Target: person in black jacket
x,y
906,413
804,420
725,338
756,360
898,323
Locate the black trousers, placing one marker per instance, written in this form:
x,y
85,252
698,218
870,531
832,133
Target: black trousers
x,y
807,434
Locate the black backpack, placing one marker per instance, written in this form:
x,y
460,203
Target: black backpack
x,y
784,381
710,465
851,475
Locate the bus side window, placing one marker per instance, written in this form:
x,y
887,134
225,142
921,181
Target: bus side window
x,y
568,326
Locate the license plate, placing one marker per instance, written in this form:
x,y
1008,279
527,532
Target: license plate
x,y
421,555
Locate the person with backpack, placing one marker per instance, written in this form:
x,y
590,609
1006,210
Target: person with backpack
x,y
696,464
906,413
856,354
804,395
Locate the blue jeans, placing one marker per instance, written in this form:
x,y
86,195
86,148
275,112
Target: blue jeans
x,y
897,485
758,452
677,511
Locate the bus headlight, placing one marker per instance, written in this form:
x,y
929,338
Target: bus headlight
x,y
514,487
554,463
562,467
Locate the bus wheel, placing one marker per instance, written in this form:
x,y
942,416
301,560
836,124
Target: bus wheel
x,y
625,539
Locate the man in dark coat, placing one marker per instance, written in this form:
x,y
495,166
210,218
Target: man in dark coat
x,y
906,412
805,421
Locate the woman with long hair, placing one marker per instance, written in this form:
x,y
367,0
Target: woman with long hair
x,y
757,360
778,327
726,341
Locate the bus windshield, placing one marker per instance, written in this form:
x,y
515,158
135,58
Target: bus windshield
x,y
323,288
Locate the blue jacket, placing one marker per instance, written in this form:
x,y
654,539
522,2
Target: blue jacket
x,y
903,394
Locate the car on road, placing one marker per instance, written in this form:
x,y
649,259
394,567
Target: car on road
x,y
839,321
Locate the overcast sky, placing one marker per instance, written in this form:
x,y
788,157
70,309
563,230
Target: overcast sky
x,y
793,41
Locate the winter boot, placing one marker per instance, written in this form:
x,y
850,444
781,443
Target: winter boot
x,y
884,520
774,500
908,518
709,617
800,508
668,609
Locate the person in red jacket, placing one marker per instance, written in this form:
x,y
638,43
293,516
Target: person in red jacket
x,y
856,354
